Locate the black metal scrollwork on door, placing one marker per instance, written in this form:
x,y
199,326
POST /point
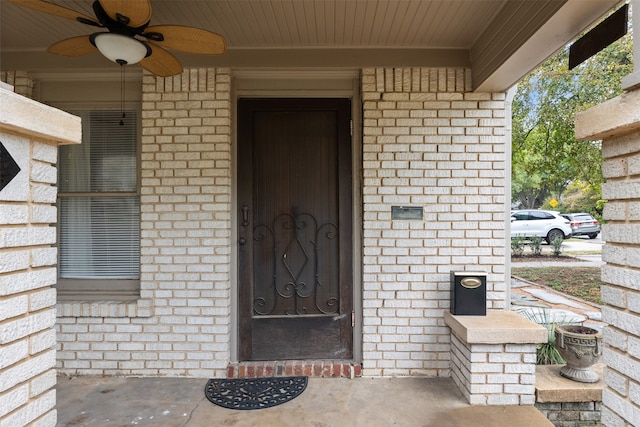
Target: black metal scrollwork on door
x,y
302,257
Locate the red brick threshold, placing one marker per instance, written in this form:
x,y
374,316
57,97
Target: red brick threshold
x,y
287,368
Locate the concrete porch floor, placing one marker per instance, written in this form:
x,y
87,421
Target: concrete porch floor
x,y
327,402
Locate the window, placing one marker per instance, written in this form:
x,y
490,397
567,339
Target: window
x,y
540,215
584,218
520,216
99,210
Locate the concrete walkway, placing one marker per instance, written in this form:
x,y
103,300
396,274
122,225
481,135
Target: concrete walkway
x,y
327,402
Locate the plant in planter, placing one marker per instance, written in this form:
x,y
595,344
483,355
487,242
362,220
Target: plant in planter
x,y
546,354
581,347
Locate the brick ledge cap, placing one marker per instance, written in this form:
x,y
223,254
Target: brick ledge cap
x,y
616,116
497,327
551,387
26,116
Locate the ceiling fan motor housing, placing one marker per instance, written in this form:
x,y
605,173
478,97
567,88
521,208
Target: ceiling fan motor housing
x,y
120,48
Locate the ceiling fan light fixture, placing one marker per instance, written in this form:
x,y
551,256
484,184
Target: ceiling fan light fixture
x,y
120,48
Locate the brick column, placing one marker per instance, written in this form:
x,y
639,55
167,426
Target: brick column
x,y
29,135
617,124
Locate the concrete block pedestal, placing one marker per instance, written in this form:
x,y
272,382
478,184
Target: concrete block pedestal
x,y
493,357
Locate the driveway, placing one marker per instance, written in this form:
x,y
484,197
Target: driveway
x,y
581,244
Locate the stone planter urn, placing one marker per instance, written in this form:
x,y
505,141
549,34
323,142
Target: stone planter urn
x,y
581,347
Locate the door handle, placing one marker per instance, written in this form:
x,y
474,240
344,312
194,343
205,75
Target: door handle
x,y
245,215
242,241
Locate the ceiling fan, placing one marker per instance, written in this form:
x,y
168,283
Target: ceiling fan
x,y
129,38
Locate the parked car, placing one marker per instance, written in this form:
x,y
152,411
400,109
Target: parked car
x,y
583,224
546,224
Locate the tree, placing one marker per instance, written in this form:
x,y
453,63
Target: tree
x,y
546,157
581,197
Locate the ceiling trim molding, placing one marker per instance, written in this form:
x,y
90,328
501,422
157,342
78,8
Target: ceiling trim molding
x,y
295,74
332,58
257,58
87,75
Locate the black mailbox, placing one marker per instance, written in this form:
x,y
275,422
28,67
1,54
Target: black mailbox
x,y
468,293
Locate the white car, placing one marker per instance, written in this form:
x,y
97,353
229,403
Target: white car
x,y
546,224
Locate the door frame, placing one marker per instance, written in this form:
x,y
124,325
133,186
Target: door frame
x,y
300,84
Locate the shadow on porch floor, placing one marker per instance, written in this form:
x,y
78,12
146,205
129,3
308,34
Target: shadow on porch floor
x,y
118,401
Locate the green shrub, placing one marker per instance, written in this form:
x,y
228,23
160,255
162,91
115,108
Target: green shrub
x,y
536,245
556,246
517,245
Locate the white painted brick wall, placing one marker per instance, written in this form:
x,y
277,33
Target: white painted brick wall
x,y
494,374
427,142
27,273
181,326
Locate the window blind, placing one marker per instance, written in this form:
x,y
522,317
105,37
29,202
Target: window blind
x,y
99,227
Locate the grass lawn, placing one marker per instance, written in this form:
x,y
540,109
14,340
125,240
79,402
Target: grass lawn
x,y
581,282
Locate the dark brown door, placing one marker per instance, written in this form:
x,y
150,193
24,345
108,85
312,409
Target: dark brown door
x,y
295,229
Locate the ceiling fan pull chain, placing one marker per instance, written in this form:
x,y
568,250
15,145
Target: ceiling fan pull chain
x,y
122,94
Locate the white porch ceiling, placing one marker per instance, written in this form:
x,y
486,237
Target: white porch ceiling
x,y
482,34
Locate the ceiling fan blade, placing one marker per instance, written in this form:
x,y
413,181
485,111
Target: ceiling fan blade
x,y
161,62
54,9
132,13
75,46
186,39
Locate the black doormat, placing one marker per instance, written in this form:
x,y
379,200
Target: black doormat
x,y
254,393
